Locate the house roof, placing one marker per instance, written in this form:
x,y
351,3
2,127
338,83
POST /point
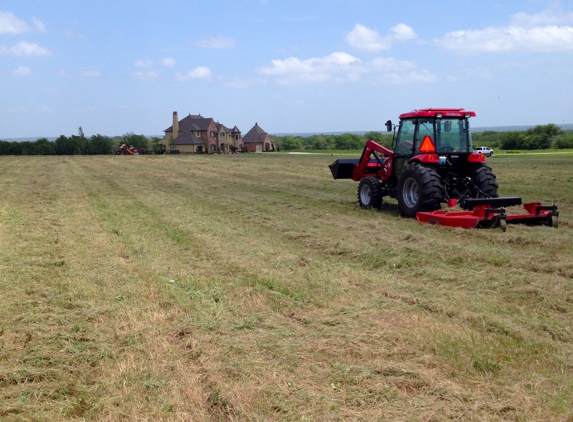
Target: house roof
x,y
192,122
187,137
255,135
223,127
226,129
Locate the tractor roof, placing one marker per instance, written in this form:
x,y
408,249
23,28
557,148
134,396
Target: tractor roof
x,y
432,112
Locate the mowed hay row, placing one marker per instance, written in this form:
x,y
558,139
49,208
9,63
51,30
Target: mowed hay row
x,y
252,287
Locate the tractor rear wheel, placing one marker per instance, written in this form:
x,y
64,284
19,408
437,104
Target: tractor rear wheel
x,y
369,193
484,179
420,188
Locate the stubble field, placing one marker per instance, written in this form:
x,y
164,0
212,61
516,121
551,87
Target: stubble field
x,y
253,288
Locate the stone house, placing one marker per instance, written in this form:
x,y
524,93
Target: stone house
x,y
257,140
197,134
228,139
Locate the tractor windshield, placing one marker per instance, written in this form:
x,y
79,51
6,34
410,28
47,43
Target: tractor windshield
x,y
453,135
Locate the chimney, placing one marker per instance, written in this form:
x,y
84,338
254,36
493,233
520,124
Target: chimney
x,y
175,125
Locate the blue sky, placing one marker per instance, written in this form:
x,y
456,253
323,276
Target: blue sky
x,y
293,66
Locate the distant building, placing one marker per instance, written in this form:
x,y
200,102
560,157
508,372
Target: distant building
x,y
257,140
228,139
198,134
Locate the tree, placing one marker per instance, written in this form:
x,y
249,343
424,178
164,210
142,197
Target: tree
x,y
44,147
349,141
320,142
99,144
291,142
157,147
81,140
381,138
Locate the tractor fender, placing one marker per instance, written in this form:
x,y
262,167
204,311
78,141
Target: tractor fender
x,y
425,159
476,158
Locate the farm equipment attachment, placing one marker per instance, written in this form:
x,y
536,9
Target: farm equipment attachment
x,y
125,149
433,162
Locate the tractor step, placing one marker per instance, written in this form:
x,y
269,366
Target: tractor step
x,y
484,216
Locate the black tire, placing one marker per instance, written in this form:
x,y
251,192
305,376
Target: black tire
x,y
369,193
484,179
420,188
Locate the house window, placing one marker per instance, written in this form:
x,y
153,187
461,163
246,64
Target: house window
x,y
199,148
212,134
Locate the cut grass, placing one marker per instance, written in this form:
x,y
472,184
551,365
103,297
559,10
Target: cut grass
x,y
252,287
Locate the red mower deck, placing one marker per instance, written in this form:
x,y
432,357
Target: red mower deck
x,y
485,216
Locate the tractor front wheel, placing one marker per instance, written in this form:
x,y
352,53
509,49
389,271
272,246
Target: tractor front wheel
x,y
420,188
369,193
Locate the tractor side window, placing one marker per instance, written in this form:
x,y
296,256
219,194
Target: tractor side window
x,y
425,128
405,141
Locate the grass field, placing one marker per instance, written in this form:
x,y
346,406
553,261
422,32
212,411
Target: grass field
x,y
253,288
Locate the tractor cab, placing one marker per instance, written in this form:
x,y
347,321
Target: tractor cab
x,y
438,136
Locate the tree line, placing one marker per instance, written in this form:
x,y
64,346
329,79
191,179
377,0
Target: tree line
x,y
79,145
346,141
539,137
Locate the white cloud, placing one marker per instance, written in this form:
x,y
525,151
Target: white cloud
x,y
526,33
74,35
197,73
294,71
145,76
399,78
22,71
168,62
40,27
548,17
143,63
342,67
25,49
215,42
10,24
241,83
90,73
366,39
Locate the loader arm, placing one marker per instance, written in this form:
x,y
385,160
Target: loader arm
x,y
382,168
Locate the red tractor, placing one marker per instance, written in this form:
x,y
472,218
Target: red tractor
x,y
433,162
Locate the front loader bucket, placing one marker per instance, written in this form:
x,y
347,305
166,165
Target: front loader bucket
x,y
343,168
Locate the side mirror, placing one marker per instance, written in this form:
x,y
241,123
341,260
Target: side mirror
x,y
389,126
